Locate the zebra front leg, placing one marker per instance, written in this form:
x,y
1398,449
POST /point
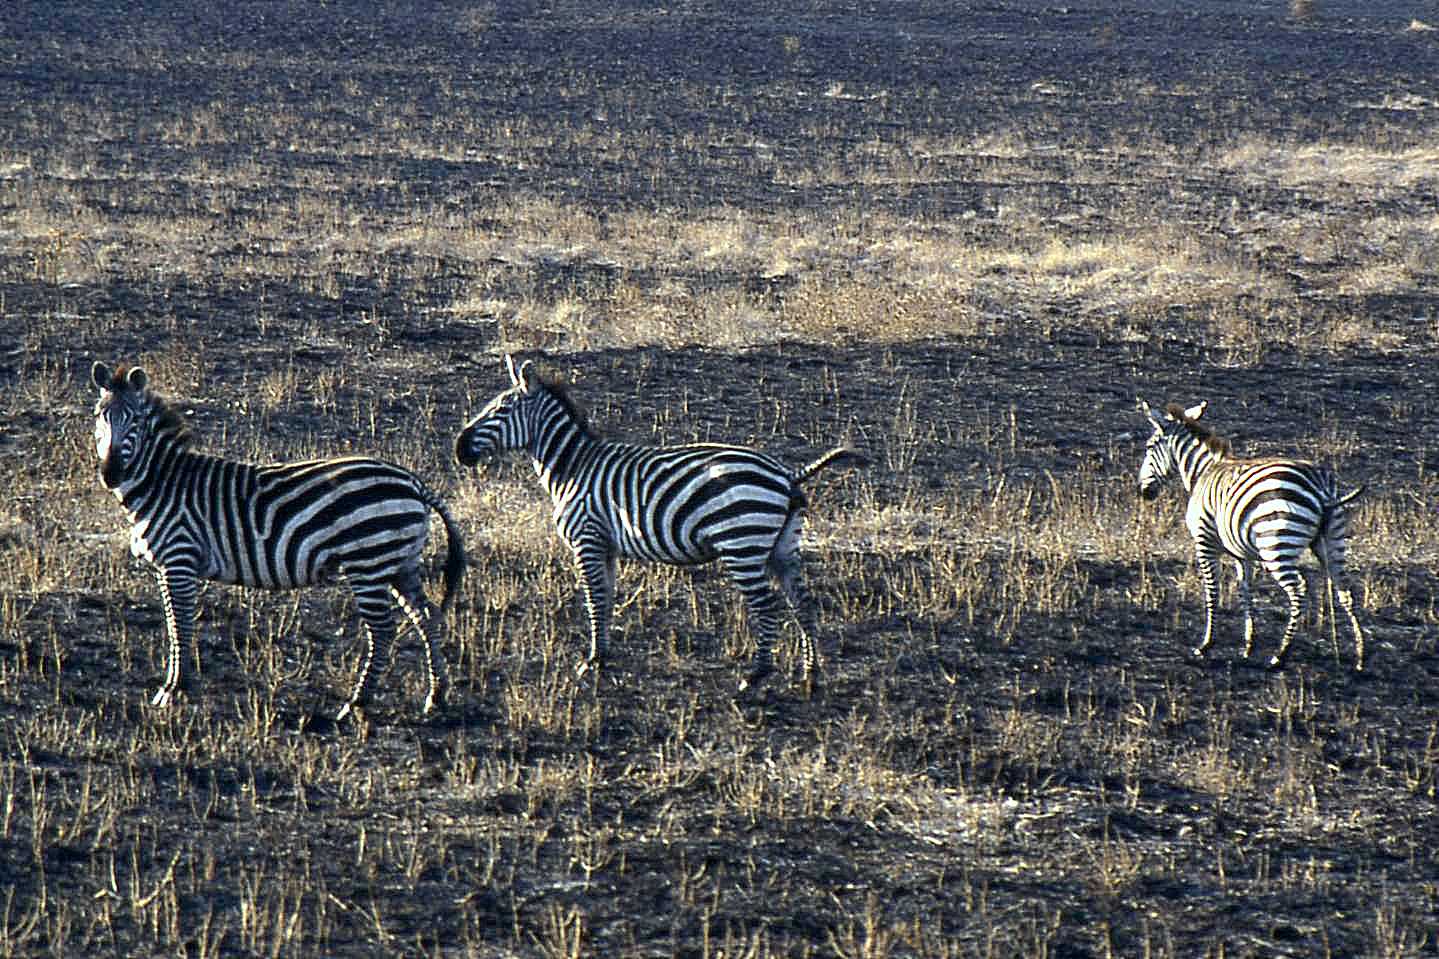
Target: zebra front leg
x,y
597,580
1245,569
178,589
1291,580
377,617
410,597
1209,573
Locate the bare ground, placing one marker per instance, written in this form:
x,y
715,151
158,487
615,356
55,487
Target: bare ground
x,y
964,237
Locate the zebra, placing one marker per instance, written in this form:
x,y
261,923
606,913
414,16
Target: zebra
x,y
681,505
199,517
1267,510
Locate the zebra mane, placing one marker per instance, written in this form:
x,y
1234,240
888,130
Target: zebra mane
x,y
557,387
1217,444
166,418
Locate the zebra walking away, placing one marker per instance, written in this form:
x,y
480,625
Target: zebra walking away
x,y
682,505
354,520
1264,510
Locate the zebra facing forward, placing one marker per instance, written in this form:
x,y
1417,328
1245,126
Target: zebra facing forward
x,y
682,505
1265,510
351,519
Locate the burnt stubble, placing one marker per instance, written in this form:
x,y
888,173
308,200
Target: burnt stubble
x,y
961,236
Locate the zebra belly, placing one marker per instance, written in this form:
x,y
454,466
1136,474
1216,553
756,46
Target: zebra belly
x,y
693,554
631,538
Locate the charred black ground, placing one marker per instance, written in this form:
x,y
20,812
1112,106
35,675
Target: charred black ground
x,y
318,226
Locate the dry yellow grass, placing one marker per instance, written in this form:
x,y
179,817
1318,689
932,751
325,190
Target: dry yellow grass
x,y
881,276
322,248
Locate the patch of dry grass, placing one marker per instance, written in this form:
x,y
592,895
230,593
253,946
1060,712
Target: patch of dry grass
x,y
885,276
1011,755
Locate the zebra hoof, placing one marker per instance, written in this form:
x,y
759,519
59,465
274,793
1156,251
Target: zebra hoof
x,y
435,701
755,679
318,724
1197,652
1274,663
162,698
346,712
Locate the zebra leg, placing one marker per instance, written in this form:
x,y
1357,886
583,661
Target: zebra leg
x,y
785,566
1245,569
377,614
751,577
1209,573
1346,599
178,589
410,597
1330,553
597,580
1287,574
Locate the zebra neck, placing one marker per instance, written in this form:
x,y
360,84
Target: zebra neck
x,y
1194,459
165,467
558,450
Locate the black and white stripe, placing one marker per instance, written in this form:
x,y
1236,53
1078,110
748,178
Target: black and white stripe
x,y
354,520
677,504
1254,510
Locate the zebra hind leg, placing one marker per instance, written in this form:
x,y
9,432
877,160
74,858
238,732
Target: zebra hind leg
x,y
751,578
786,568
1291,580
1346,599
1331,560
410,597
1245,570
377,614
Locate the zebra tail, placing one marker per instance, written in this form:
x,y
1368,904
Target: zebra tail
x,y
455,561
838,454
1328,515
1348,498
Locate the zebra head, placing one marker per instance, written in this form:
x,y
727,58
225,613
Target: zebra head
x,y
504,423
1161,453
122,419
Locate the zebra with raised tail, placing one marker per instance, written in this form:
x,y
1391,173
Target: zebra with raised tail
x,y
1265,510
197,517
683,505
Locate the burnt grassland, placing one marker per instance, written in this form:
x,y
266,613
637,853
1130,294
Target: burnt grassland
x,y
961,236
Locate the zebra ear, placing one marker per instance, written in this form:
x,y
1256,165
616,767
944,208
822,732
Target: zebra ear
x,y
100,375
510,369
1144,408
1196,411
525,380
137,378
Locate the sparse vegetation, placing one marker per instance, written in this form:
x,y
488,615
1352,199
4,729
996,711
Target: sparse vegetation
x,y
964,242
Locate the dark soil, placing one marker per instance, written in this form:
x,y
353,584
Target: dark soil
x,y
1323,839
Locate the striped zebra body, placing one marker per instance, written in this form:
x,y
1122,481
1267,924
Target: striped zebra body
x,y
1265,511
682,505
198,517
